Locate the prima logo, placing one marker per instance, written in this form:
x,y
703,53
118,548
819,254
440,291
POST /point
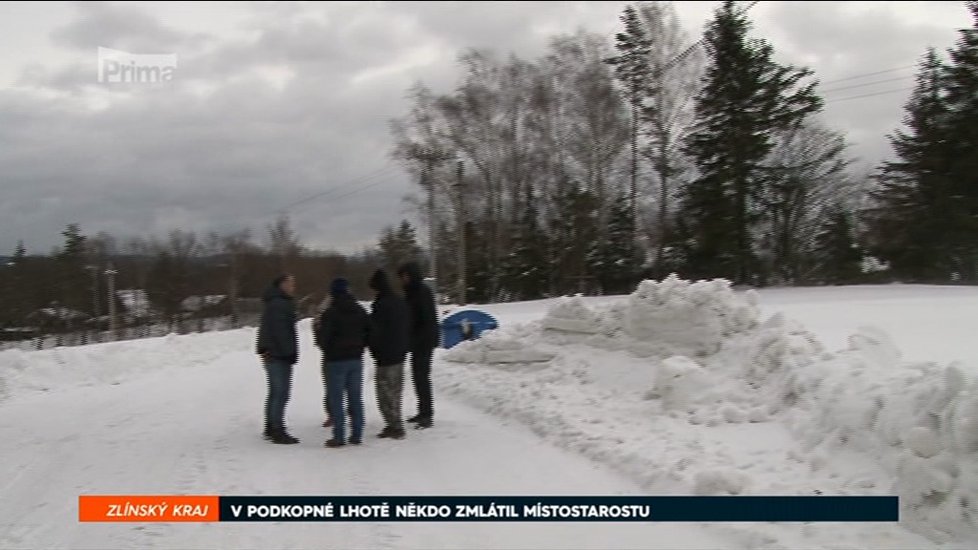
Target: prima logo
x,y
116,66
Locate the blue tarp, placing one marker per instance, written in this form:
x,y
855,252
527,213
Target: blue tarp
x,y
464,325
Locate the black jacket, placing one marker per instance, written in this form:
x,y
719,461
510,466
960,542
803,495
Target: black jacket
x,y
343,329
388,324
276,333
423,327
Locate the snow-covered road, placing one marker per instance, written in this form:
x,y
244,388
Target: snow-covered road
x,y
194,430
182,415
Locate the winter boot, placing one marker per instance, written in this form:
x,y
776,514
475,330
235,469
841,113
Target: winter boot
x,y
282,437
424,423
391,433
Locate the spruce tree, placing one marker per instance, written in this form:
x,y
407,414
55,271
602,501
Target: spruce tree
x,y
962,100
73,285
915,209
838,256
633,69
573,230
746,98
526,264
19,253
14,288
477,256
399,245
616,260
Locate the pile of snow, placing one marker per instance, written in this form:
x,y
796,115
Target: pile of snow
x,y
919,420
571,315
495,348
689,318
664,318
707,361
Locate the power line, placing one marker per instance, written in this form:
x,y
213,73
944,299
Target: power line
x,y
869,95
863,85
377,173
685,53
864,75
361,189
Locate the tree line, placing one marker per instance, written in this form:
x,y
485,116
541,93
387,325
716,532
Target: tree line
x,y
66,290
923,219
600,162
605,161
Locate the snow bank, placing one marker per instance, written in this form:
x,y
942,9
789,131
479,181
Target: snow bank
x,y
671,317
114,362
703,357
689,318
495,347
571,315
920,421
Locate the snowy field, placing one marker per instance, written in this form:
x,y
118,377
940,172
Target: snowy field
x,y
677,389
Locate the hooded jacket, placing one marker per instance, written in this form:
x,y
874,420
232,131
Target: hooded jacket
x,y
423,323
343,329
276,332
388,323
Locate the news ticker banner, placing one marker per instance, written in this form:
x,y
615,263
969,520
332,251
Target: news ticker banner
x,y
183,508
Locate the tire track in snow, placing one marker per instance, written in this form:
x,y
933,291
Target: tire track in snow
x,y
380,535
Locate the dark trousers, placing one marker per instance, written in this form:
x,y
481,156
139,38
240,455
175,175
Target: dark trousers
x,y
279,378
326,400
346,379
421,376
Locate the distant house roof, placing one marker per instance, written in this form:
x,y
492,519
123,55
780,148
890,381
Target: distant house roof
x,y
136,302
197,303
58,312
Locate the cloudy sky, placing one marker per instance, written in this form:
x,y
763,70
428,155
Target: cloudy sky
x,y
272,103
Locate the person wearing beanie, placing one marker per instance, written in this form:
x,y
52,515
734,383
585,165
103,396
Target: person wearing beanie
x,y
343,330
388,343
422,339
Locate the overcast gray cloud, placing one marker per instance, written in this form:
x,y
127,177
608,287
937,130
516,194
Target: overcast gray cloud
x,y
275,102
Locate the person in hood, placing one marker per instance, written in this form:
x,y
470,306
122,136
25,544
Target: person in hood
x,y
343,331
324,366
422,339
388,343
279,350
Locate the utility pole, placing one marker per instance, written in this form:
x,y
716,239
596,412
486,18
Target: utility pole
x,y
460,212
431,156
95,309
233,294
111,273
432,225
95,306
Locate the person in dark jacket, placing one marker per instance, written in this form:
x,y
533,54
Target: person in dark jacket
x,y
422,339
317,318
388,344
343,332
279,350
324,364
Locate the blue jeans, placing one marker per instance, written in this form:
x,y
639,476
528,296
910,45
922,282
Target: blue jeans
x,y
346,380
279,375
